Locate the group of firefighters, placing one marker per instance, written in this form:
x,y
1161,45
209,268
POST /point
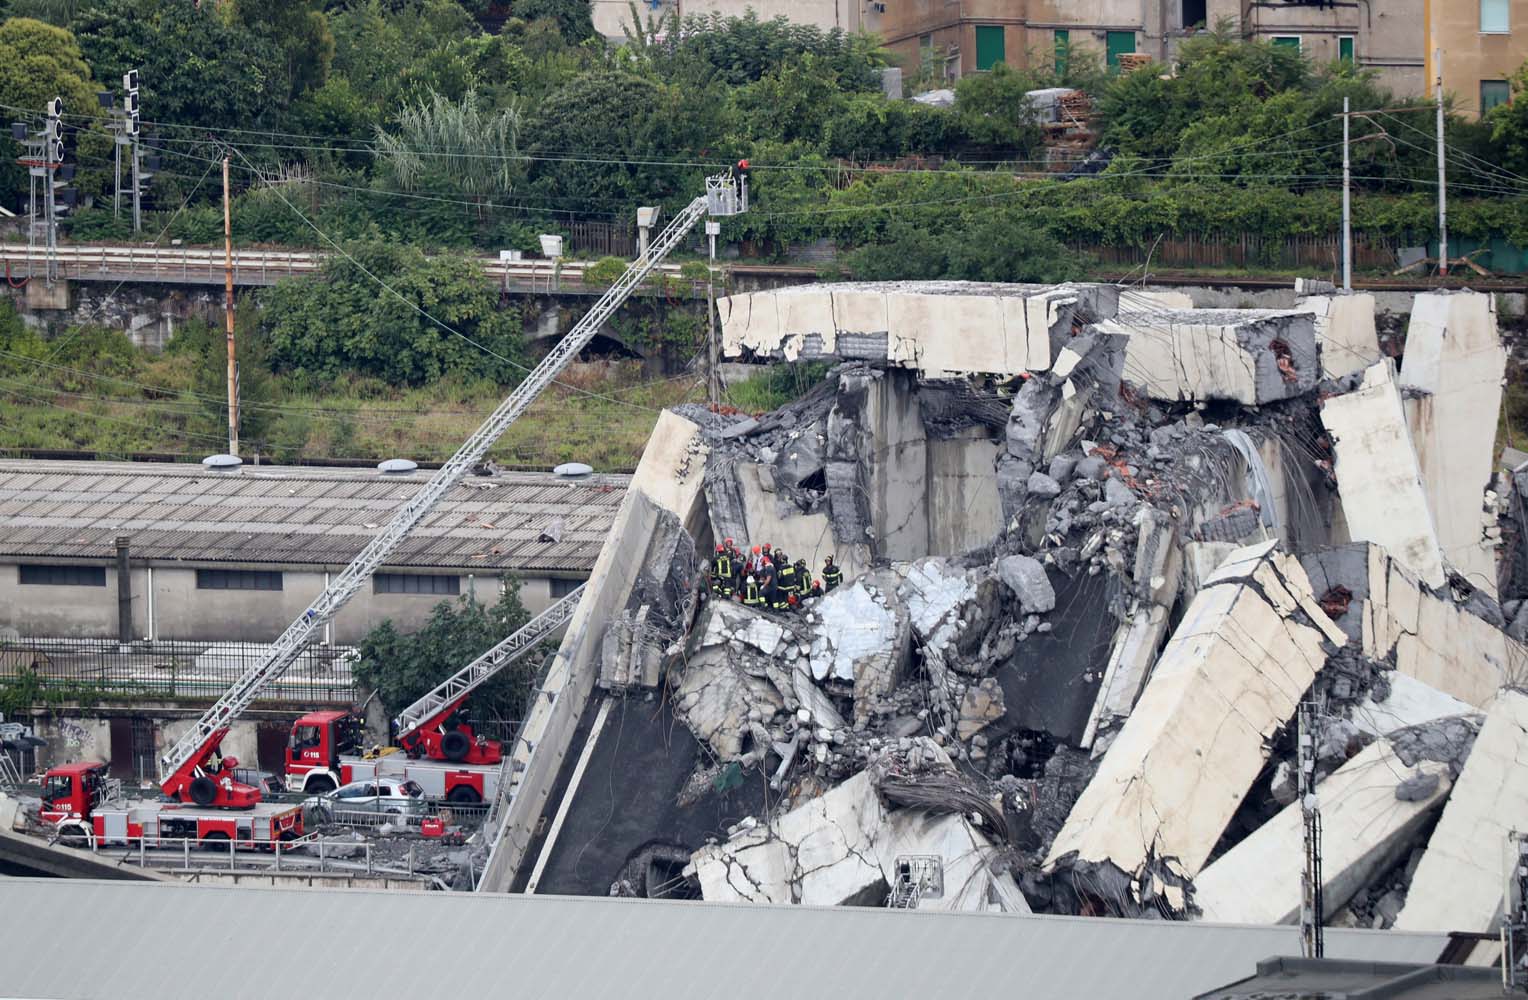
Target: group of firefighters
x,y
765,577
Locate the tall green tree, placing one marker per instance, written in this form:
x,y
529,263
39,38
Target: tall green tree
x,y
300,30
38,62
195,67
403,666
348,323
1509,124
573,18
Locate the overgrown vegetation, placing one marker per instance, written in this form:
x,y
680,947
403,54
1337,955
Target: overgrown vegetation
x,y
402,667
92,390
404,122
404,132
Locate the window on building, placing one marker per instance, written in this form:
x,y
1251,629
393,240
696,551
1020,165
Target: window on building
x,y
1063,50
1118,43
1494,19
562,588
1494,93
1345,52
1287,42
989,45
1194,14
416,583
237,579
64,576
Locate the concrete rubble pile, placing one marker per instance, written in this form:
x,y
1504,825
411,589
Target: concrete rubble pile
x,y
1098,546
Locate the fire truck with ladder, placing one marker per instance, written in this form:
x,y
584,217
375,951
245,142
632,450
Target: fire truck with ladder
x,y
437,747
88,810
195,778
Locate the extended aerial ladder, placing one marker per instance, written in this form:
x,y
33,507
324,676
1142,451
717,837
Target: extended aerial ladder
x,y
418,728
187,769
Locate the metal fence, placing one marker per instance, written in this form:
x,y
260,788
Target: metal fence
x,y
93,668
1247,250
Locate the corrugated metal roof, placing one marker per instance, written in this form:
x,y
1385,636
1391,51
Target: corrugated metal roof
x,y
297,516
164,941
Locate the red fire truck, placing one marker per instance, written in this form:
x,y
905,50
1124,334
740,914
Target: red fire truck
x,y
437,747
88,810
326,751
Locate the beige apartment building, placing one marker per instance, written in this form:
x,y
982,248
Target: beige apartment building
x,y
971,35
610,16
1481,44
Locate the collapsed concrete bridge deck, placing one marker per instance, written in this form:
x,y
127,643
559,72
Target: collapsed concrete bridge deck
x,y
1097,547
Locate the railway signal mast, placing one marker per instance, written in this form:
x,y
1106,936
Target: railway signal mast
x,y
43,156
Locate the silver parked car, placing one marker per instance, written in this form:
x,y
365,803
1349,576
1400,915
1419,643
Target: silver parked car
x,y
396,798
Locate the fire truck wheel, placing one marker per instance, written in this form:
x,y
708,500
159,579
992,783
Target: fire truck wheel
x,y
73,837
203,790
455,745
319,785
463,794
217,842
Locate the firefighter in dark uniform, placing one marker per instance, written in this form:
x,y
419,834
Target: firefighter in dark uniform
x,y
832,576
721,572
803,579
785,574
752,596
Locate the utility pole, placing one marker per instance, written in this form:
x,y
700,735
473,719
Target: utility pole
x,y
1442,176
233,365
1311,902
714,372
1347,203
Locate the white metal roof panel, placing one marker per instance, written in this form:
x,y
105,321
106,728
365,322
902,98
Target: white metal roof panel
x,y
296,516
165,941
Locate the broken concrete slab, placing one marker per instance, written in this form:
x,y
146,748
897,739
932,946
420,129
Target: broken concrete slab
x,y
1458,884
1428,637
1378,475
821,853
1026,577
1345,331
1246,651
1369,816
1408,702
846,848
939,328
1452,375
981,705
863,637
1250,356
951,609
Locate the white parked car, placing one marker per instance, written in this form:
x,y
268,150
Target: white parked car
x,y
397,798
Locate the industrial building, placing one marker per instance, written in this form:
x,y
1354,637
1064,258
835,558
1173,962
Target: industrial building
x,y
236,556
846,953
